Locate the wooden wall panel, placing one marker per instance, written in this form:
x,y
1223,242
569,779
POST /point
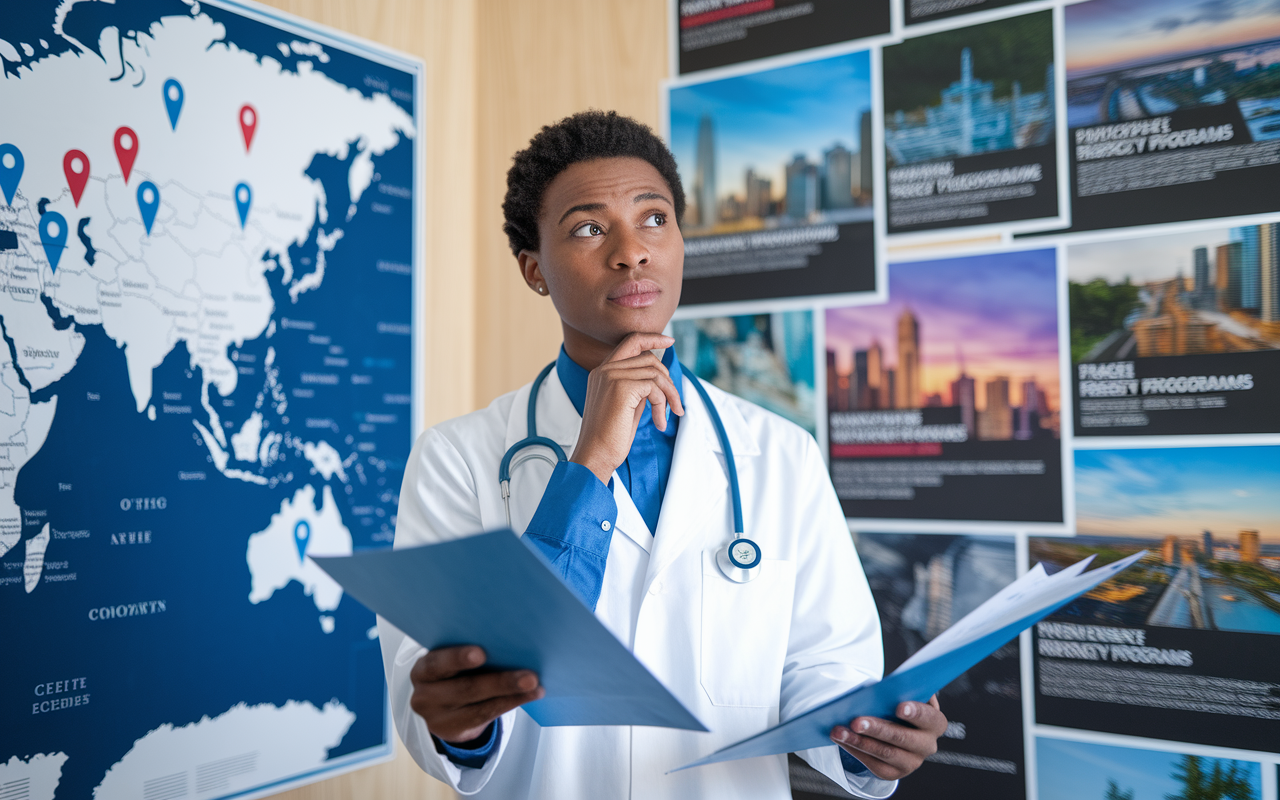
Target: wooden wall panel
x,y
536,63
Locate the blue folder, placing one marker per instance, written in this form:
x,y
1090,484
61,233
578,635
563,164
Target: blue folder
x,y
491,590
921,680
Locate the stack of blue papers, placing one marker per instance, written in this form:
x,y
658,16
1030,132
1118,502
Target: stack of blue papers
x,y
984,630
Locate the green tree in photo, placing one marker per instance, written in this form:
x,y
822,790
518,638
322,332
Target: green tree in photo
x,y
1114,792
1098,309
1016,49
1226,780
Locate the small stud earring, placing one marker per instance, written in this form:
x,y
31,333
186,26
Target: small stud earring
x,y
542,290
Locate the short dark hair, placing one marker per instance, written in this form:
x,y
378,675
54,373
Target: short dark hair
x,y
584,136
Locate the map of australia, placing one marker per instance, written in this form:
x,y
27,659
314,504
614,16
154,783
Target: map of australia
x,y
207,239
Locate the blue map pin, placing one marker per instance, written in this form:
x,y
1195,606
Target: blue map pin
x,y
301,535
53,235
173,100
10,170
244,196
148,202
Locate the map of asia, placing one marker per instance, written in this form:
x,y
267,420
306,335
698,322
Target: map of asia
x,y
208,241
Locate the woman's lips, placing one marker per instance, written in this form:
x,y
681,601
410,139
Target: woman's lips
x,y
636,294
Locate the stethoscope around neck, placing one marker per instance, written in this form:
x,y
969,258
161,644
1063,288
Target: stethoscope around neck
x,y
739,560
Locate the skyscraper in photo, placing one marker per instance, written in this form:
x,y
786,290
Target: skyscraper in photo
x,y
1227,275
1208,545
837,177
873,387
1028,411
1201,268
802,187
1269,272
1249,547
1250,266
759,195
837,386
963,396
995,422
704,175
858,397
907,389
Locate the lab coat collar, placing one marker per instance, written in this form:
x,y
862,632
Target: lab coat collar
x,y
557,419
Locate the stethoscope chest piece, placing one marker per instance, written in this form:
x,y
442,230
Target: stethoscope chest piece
x,y
740,561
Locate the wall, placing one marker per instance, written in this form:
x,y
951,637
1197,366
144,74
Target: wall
x,y
497,71
536,63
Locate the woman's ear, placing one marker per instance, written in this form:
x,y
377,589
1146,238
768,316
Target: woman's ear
x,y
531,270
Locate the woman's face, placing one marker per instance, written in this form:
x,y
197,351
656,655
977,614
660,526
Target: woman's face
x,y
611,255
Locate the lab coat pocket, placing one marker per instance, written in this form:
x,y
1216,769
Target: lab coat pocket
x,y
745,628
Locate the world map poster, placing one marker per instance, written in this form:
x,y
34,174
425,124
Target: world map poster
x,y
208,242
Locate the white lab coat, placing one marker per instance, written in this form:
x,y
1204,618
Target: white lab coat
x,y
741,657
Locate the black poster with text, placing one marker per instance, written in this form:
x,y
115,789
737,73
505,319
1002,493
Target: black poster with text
x,y
1150,653
1174,334
970,121
922,584
1169,125
777,165
916,11
717,33
943,403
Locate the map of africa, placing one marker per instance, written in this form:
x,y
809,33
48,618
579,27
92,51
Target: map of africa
x,y
207,247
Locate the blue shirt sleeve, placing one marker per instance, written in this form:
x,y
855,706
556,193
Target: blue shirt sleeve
x,y
851,765
473,757
573,527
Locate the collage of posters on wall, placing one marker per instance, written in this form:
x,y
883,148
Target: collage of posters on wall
x,y
1016,266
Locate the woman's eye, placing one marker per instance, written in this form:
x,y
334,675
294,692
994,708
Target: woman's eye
x,y
588,229
655,220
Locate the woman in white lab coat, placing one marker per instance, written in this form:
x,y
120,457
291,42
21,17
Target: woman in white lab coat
x,y
634,521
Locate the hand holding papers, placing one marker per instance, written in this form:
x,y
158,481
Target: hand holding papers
x,y
492,591
988,627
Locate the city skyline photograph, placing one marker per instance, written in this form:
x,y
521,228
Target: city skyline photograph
x,y
987,316
1209,519
1103,35
1126,299
778,147
1152,493
1133,60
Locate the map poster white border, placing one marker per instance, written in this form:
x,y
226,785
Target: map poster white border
x,y
297,770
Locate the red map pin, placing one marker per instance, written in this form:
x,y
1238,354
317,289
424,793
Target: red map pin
x,y
76,165
248,124
126,149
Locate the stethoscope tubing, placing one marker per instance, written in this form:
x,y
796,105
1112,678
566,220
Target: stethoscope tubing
x,y
512,459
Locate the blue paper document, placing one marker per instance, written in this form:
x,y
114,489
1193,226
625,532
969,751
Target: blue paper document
x,y
492,591
986,629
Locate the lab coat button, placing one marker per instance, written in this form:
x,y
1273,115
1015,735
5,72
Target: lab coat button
x,y
656,588
604,525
